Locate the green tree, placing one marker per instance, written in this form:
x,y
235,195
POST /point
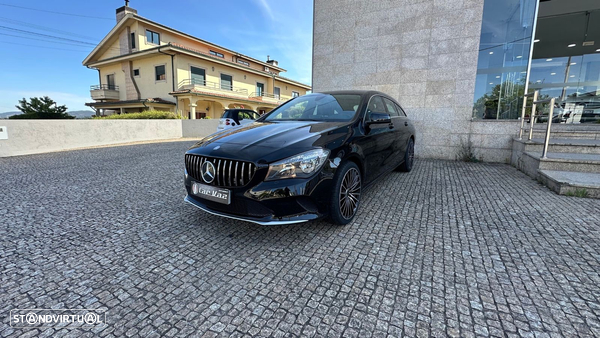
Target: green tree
x,y
41,108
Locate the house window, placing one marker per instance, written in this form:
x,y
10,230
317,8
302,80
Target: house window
x,y
198,76
226,82
245,63
295,94
277,92
212,52
161,74
152,37
260,89
110,81
136,72
132,40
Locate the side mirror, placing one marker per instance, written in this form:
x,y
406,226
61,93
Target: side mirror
x,y
379,118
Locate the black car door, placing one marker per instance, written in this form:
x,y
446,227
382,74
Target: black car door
x,y
401,132
378,141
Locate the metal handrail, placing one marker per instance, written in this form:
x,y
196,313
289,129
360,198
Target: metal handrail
x,y
212,85
104,87
550,116
535,96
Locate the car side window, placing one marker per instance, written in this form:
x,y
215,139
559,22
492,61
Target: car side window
x,y
391,107
376,105
255,116
401,111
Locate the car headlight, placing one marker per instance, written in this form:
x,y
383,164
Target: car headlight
x,y
299,166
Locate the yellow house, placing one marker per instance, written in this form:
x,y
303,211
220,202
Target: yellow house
x,y
145,65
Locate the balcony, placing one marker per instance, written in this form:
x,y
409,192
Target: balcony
x,y
212,87
269,97
104,92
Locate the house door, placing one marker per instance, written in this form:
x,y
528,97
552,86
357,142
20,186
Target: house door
x,y
260,89
110,81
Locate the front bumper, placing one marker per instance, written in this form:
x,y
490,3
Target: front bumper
x,y
278,202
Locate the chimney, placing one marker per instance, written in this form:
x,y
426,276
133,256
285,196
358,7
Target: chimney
x,y
122,11
271,62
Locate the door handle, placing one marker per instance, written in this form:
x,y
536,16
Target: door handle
x,y
406,123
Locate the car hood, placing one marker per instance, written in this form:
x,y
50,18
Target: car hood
x,y
265,142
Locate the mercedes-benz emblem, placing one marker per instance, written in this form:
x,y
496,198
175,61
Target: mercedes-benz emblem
x,y
208,172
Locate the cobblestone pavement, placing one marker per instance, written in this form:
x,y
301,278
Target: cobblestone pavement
x,y
451,249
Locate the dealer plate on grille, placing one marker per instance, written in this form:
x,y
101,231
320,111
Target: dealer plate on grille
x,y
208,192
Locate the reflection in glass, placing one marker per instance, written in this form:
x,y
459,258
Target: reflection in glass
x,y
505,42
566,65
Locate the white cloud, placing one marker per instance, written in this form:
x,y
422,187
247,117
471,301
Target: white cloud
x,y
10,98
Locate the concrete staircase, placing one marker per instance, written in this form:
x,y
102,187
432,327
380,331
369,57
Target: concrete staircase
x,y
572,165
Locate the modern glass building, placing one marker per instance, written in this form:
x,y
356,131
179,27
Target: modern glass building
x,y
552,46
460,68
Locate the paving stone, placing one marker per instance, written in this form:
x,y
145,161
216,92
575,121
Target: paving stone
x,y
450,249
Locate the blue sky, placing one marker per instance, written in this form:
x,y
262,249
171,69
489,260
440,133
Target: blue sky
x,y
36,65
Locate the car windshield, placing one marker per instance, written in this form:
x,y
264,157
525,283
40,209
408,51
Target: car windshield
x,y
317,107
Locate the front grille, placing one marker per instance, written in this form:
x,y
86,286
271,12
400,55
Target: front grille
x,y
229,173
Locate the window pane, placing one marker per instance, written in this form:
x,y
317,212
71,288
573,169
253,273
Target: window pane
x,y
198,76
376,105
505,41
226,82
391,107
132,40
260,88
160,73
277,92
110,81
401,111
149,36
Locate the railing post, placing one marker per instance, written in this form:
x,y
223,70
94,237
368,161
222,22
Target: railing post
x,y
532,116
547,140
523,116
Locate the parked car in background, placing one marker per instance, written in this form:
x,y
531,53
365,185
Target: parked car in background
x,y
311,157
236,117
591,112
558,115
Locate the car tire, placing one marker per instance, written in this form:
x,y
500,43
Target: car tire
x,y
347,189
409,157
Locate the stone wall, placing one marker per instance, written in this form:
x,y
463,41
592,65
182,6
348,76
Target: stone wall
x,y
41,136
199,128
424,54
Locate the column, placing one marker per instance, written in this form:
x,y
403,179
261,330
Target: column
x,y
193,111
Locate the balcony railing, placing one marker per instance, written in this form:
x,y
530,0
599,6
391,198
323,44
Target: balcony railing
x,y
265,94
104,87
191,83
104,92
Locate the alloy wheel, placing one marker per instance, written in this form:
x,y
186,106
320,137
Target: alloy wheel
x,y
350,193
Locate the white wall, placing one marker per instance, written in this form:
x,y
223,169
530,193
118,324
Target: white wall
x,y
199,128
41,136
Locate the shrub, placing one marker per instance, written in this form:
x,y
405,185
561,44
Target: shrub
x,y
145,115
466,153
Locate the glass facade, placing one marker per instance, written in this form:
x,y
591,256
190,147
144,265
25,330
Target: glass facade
x,y
504,49
565,62
566,65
